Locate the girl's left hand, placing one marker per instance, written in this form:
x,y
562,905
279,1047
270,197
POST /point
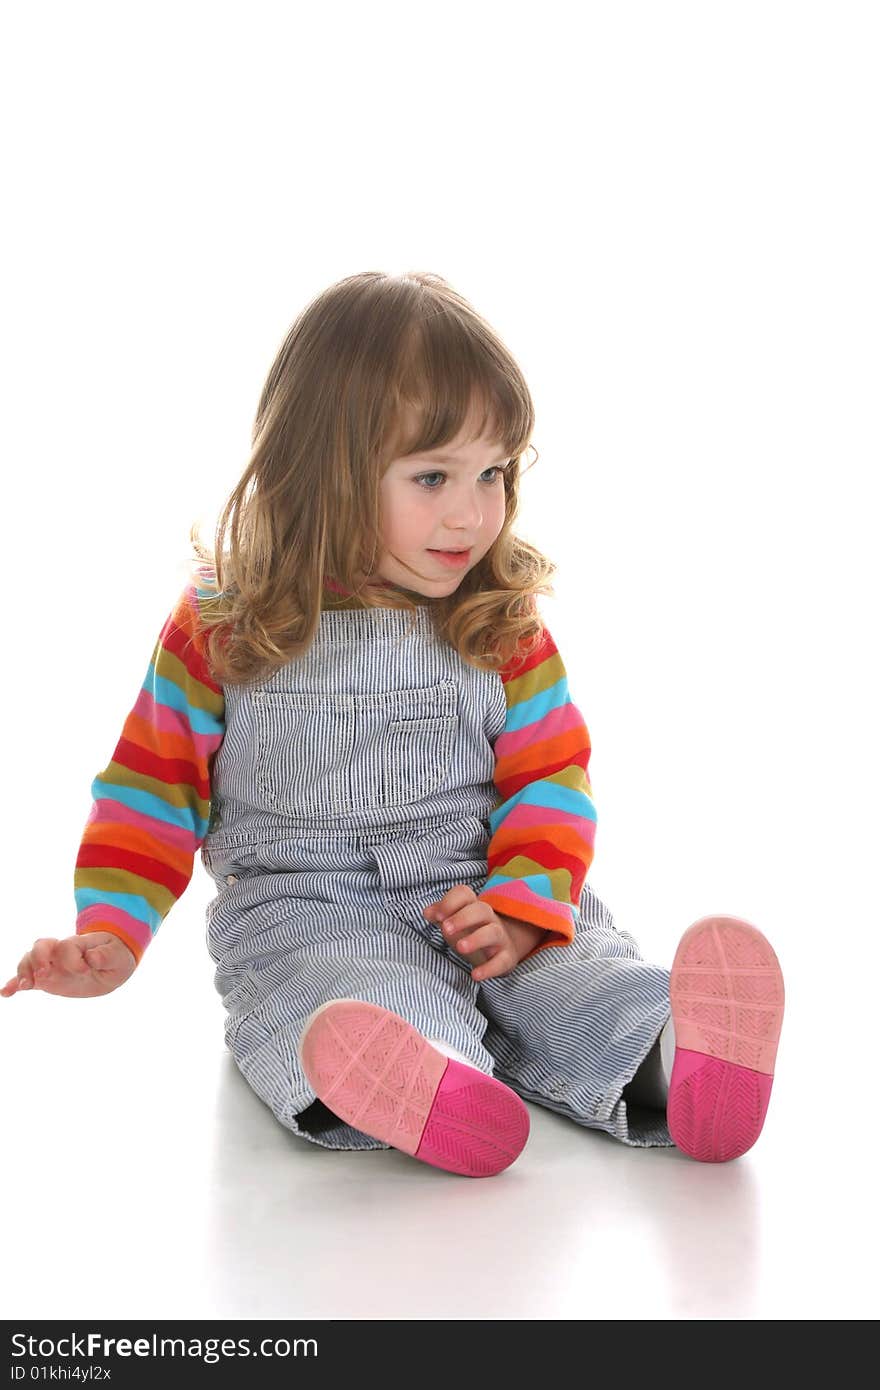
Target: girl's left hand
x,y
496,943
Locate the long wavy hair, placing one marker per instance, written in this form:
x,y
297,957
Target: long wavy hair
x,y
365,355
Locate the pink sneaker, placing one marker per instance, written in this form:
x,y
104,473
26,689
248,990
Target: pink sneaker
x,y
378,1074
727,998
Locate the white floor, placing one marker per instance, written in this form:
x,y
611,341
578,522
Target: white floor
x,y
144,1179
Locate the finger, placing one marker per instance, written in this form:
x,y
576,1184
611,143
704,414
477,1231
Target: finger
x,y
97,958
41,952
453,900
10,988
480,939
41,960
475,914
502,963
25,973
68,957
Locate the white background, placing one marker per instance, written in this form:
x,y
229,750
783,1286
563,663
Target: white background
x,y
670,214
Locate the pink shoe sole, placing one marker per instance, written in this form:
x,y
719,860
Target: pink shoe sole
x,y
728,998
378,1074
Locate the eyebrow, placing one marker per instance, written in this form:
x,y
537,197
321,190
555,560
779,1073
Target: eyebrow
x,y
451,458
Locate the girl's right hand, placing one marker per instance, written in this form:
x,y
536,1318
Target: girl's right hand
x,y
90,963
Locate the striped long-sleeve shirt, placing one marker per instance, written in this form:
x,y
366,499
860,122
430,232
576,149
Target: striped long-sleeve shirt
x,y
152,802
544,827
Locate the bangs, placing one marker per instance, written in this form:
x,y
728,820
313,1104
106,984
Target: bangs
x,y
449,383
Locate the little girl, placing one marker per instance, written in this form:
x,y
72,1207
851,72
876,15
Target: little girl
x,y
358,716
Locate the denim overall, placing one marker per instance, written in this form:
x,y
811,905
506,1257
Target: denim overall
x,y
352,789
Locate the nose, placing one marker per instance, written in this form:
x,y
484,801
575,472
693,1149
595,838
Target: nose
x,y
464,510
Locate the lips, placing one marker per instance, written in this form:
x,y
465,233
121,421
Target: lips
x,y
456,558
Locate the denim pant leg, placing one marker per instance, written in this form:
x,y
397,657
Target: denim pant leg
x,y
570,1026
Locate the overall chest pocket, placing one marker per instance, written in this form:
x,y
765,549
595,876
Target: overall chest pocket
x,y
325,754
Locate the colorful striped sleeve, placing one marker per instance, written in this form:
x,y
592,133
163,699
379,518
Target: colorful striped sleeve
x,y
544,826
152,802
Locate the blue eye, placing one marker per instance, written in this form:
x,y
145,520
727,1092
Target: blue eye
x,y
496,469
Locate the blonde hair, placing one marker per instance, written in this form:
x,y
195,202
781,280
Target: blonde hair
x,y
368,352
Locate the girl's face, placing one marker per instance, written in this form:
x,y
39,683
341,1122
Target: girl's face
x,y
449,499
